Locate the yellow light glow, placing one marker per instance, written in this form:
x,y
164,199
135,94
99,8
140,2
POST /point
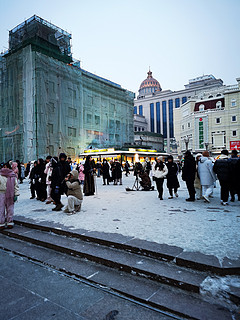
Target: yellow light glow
x,y
136,157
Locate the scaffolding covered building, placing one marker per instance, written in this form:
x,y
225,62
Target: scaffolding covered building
x,y
49,104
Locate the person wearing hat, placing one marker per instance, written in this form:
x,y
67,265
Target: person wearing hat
x,y
74,193
206,175
172,179
188,174
147,167
159,172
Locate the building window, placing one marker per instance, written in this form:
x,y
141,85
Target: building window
x,y
152,116
233,103
170,111
219,105
118,124
184,99
182,126
72,112
201,107
177,102
51,107
189,125
135,110
97,120
158,117
135,128
111,124
142,129
234,118
72,132
218,120
141,110
50,128
210,96
164,115
89,118
234,133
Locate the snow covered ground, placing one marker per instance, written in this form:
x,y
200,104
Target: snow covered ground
x,y
205,227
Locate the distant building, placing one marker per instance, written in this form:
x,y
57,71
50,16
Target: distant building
x,y
48,104
157,105
212,122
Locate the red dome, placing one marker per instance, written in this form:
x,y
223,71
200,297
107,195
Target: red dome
x,y
149,85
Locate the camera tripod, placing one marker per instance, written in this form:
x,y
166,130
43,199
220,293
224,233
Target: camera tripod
x,y
136,186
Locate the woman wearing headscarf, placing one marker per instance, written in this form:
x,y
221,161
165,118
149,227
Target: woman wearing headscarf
x,y
9,191
89,170
159,171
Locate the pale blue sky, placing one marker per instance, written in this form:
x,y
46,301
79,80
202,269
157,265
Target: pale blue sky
x,y
119,40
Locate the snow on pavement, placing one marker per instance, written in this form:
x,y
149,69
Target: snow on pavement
x,y
194,226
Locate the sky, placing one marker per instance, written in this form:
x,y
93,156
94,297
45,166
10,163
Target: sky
x,y
120,39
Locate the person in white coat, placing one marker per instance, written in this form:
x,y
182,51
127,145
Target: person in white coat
x,y
206,175
159,172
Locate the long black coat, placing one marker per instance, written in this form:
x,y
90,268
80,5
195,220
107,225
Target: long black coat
x,y
89,187
105,170
189,168
222,168
172,180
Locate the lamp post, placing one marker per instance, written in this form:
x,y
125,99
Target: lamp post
x,y
186,140
206,145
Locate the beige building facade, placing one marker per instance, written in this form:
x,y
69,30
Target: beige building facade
x,y
211,122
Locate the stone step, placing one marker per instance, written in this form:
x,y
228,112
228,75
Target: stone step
x,y
129,262
151,293
193,260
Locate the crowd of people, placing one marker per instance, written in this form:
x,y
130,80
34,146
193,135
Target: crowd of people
x,y
51,178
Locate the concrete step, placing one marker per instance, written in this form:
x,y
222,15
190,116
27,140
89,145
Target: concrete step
x,y
151,293
193,260
129,262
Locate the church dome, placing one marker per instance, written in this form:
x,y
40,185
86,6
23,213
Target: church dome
x,y
149,85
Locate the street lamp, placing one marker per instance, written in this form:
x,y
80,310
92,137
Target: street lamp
x,y
186,140
206,145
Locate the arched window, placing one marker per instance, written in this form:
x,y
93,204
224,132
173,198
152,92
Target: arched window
x,y
201,107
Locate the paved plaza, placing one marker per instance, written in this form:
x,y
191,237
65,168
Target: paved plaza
x,y
208,228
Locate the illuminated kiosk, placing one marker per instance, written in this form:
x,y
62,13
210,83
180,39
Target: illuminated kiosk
x,y
132,155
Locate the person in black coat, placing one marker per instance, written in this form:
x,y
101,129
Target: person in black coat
x,y
56,182
234,161
117,172
127,166
105,171
188,174
65,168
40,180
222,168
172,179
89,171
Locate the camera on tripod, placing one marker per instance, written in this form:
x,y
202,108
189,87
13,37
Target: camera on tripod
x,y
145,183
